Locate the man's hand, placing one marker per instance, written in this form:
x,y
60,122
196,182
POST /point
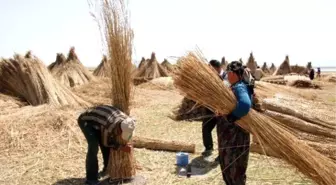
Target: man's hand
x,y
127,148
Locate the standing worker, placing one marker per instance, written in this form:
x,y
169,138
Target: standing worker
x,y
210,123
234,141
312,74
100,126
318,72
258,74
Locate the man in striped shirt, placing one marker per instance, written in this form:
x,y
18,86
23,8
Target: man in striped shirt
x,y
100,126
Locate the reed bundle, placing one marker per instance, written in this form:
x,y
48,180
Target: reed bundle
x,y
284,68
28,78
70,71
251,63
199,83
103,69
117,35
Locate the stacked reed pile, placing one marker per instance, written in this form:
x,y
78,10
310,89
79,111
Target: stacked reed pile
x,y
103,69
28,78
70,71
251,63
284,68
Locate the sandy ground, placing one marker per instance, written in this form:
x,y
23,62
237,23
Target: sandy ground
x,y
43,145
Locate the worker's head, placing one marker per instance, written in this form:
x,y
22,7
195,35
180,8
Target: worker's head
x,y
126,129
215,64
258,67
235,71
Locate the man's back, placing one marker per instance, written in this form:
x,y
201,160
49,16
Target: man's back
x,y
258,74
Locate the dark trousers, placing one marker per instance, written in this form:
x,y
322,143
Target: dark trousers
x,y
234,147
207,126
93,137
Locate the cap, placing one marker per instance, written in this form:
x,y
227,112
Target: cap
x,y
236,67
215,63
127,128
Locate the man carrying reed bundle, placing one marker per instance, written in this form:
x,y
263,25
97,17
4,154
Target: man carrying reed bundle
x,y
233,141
101,125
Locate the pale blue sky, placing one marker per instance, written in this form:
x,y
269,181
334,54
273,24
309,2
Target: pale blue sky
x,y
303,29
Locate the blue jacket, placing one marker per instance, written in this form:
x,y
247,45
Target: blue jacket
x,y
244,100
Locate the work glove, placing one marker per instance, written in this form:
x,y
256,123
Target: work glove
x,y
126,148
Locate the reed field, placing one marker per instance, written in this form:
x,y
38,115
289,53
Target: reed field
x,y
43,144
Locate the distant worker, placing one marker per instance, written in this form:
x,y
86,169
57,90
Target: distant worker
x,y
210,123
312,74
100,126
318,72
258,74
234,141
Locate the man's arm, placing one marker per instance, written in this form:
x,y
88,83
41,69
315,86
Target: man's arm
x,y
243,104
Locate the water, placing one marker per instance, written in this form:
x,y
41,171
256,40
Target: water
x,y
327,69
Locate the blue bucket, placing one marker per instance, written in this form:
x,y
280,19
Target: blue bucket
x,y
182,159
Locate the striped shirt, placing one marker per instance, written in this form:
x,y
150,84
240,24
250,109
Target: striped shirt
x,y
104,117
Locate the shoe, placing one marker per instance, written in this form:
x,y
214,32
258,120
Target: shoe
x,y
207,152
217,159
91,182
102,174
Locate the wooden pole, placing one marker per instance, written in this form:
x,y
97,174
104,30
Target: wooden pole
x,y
155,144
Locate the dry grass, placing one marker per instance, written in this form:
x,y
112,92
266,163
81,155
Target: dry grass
x,y
198,82
55,153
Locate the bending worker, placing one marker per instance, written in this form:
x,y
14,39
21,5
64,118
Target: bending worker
x,y
100,126
234,141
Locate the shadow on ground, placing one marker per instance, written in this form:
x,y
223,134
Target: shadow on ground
x,y
199,166
70,181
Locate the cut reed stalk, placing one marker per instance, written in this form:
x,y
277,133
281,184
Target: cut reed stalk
x,y
198,82
117,35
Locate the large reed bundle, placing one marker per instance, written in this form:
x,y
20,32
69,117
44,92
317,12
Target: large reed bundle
x,y
70,72
251,63
28,78
198,82
284,68
118,36
265,68
142,62
299,69
151,69
167,66
103,69
224,63
309,66
272,68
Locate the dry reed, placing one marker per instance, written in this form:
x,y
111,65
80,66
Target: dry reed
x,y
28,78
70,71
117,35
198,82
103,69
284,68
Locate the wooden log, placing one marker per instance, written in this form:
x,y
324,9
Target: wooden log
x,y
299,124
155,144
